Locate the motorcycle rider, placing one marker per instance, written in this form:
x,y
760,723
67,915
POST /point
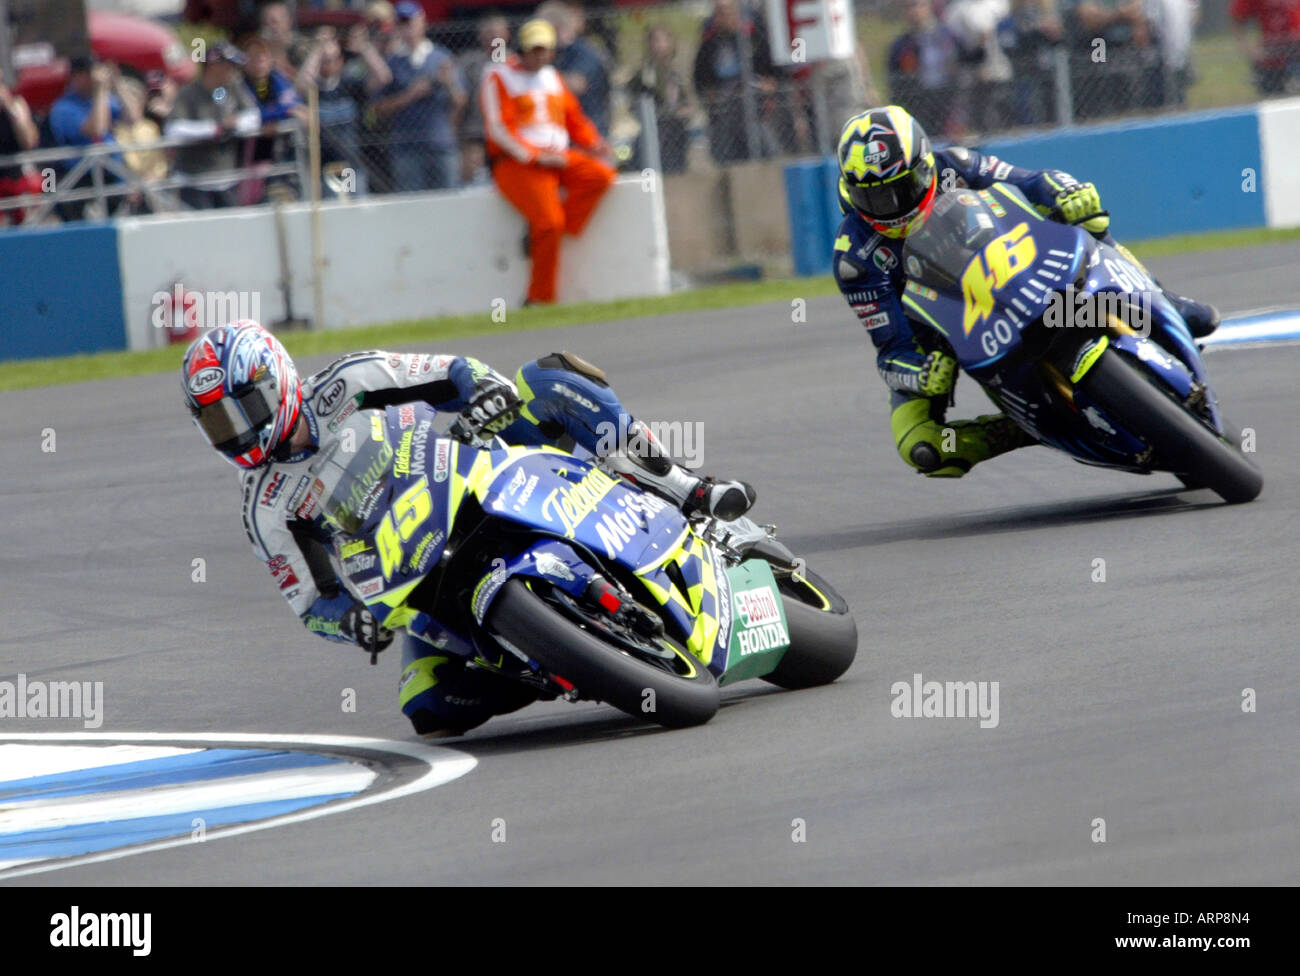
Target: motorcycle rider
x,y
888,180
247,399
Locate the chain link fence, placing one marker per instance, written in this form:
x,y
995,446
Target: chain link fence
x,y
694,86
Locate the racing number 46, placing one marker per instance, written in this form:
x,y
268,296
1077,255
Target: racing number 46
x,y
412,507
1003,258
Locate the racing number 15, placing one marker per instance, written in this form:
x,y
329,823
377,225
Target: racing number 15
x,y
1006,256
412,507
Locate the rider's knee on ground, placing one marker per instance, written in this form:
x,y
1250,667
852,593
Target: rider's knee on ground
x,y
921,440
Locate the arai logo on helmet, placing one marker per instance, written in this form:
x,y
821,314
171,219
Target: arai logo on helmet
x,y
206,379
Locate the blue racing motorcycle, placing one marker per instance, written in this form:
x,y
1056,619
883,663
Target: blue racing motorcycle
x,y
1071,339
542,567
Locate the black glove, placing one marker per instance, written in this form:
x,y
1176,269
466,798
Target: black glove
x,y
360,626
493,407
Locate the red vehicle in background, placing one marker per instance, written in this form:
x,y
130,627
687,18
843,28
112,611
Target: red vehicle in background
x,y
240,15
137,45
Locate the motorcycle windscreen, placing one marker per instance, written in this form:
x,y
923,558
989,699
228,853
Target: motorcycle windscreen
x,y
364,481
983,267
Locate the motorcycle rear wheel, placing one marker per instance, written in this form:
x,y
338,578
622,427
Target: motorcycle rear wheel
x,y
1182,443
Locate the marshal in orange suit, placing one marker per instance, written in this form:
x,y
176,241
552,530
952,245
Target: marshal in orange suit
x,y
531,122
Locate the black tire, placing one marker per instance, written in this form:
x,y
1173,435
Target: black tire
x,y
823,634
600,670
1182,443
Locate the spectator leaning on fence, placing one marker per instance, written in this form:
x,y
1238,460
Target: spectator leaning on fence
x,y
531,119
273,91
660,78
18,133
923,68
420,107
1275,56
278,101
343,89
212,110
93,102
493,45
720,79
582,63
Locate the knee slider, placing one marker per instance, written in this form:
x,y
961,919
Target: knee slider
x,y
924,456
574,364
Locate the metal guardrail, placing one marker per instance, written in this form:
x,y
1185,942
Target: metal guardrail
x,y
110,176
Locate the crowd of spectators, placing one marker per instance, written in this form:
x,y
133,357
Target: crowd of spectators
x,y
988,64
399,109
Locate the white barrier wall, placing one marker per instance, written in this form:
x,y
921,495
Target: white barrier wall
x,y
1279,141
388,259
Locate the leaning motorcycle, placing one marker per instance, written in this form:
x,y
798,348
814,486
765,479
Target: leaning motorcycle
x,y
1041,315
542,567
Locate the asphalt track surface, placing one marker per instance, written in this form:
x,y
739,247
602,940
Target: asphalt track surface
x,y
1118,700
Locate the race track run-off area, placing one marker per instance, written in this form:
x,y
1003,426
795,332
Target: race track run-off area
x,y
1142,639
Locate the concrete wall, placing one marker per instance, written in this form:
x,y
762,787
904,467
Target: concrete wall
x,y
390,259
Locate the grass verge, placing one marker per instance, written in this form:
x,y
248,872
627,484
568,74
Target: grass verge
x,y
25,373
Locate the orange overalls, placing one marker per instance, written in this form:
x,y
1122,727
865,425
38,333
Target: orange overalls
x,y
526,113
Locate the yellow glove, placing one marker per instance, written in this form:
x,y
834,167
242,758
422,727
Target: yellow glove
x,y
937,375
1082,206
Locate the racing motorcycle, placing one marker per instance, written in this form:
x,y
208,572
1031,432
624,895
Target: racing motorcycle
x,y
1041,315
541,566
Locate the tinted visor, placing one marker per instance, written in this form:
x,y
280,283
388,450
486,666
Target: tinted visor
x,y
898,197
233,423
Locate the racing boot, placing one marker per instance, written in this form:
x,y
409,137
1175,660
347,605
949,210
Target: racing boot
x,y
950,450
1201,319
645,462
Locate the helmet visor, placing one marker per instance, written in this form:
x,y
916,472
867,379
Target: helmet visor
x,y
898,197
233,423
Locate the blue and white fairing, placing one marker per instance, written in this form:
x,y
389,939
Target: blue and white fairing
x,y
405,486
986,266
